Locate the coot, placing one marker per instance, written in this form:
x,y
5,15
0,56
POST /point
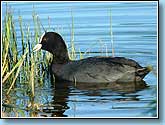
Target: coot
x,y
89,70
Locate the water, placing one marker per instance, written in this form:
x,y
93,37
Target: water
x,y
134,26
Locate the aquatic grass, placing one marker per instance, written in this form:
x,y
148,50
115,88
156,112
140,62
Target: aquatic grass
x,y
25,67
19,64
16,66
103,48
6,42
81,54
9,49
4,56
72,54
22,33
14,43
32,74
42,65
24,45
13,69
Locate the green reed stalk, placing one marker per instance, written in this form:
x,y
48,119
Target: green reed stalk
x,y
18,70
32,74
26,70
5,63
73,52
28,44
14,44
15,66
9,73
38,25
22,34
35,20
10,48
81,55
36,39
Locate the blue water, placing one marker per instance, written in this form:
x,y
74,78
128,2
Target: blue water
x,y
134,26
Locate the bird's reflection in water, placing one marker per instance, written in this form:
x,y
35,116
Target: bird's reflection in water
x,y
63,89
125,87
59,101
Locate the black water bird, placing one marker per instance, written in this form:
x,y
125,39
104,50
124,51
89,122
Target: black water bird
x,y
91,69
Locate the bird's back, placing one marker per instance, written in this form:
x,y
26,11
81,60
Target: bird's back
x,y
99,70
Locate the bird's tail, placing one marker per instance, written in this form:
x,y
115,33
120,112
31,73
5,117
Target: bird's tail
x,y
142,72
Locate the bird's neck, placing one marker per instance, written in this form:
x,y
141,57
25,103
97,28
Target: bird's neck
x,y
60,59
